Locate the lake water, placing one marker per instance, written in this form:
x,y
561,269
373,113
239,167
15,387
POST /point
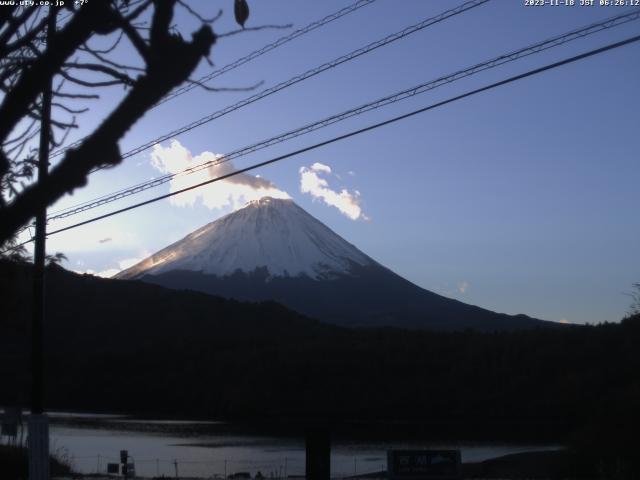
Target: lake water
x,y
90,447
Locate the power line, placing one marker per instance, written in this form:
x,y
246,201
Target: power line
x,y
313,72
353,133
308,74
281,41
247,58
396,97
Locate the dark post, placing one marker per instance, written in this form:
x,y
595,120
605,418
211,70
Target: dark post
x,y
124,461
318,454
37,359
38,422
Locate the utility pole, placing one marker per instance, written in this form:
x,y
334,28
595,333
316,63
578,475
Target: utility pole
x,y
38,421
317,453
124,461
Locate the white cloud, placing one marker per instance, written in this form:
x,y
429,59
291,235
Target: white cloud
x,y
347,202
321,167
110,272
463,286
234,191
122,265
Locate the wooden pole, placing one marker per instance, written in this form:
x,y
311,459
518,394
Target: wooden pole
x,y
318,454
38,422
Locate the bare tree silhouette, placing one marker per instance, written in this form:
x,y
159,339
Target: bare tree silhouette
x,y
77,67
634,308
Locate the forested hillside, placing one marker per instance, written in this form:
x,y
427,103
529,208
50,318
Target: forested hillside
x,y
133,347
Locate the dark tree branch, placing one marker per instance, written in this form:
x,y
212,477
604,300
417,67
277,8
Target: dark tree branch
x,y
103,59
25,40
32,81
76,111
138,10
22,135
108,49
94,67
255,29
161,23
6,14
101,147
84,96
17,150
88,83
35,113
134,37
60,142
195,14
13,27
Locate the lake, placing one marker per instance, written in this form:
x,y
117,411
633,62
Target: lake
x,y
158,447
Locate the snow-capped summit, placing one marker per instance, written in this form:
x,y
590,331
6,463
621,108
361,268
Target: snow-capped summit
x,y
270,233
271,249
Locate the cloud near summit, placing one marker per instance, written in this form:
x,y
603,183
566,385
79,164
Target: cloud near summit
x,y
347,202
234,191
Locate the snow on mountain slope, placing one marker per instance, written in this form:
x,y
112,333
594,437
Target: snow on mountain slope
x,y
273,250
272,233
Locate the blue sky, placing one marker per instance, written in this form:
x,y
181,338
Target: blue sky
x,y
521,200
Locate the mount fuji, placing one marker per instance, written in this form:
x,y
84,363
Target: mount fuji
x,y
272,249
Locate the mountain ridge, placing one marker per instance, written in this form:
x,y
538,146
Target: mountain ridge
x,y
272,249
263,226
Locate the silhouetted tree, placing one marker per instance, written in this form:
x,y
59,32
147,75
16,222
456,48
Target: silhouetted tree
x,y
634,309
14,251
56,258
75,63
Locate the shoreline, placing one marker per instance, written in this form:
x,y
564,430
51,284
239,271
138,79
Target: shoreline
x,y
460,431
